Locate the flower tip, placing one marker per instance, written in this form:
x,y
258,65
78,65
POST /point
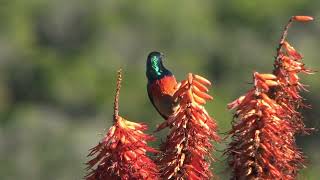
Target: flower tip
x,y
303,18
202,80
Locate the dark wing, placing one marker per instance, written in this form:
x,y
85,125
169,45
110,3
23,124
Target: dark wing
x,y
151,99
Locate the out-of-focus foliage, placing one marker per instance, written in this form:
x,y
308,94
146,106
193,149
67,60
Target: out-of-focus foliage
x,y
58,61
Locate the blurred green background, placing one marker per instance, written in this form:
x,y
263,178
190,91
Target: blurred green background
x,y
58,62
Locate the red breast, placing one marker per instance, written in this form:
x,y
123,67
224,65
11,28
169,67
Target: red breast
x,y
161,92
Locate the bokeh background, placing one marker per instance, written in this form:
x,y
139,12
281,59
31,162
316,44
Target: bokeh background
x,y
58,62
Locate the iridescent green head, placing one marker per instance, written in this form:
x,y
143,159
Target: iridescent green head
x,y
155,68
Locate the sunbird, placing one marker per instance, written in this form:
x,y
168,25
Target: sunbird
x,y
161,85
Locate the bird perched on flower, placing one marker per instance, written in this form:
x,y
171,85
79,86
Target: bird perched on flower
x,y
161,85
186,152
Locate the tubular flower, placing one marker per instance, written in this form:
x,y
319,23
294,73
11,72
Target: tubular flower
x,y
267,118
121,154
262,144
186,154
288,64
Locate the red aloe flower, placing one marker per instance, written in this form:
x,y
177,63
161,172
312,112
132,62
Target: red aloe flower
x,y
122,152
267,118
262,144
288,63
186,154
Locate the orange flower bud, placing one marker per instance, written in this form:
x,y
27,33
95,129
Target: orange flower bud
x,y
190,78
198,99
271,83
267,99
197,116
201,94
190,95
291,51
262,85
266,76
131,154
202,80
200,86
235,103
303,18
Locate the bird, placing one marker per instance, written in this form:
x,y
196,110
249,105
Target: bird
x,y
161,85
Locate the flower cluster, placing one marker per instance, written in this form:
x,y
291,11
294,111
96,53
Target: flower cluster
x,y
186,154
288,64
265,123
262,143
267,118
122,152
